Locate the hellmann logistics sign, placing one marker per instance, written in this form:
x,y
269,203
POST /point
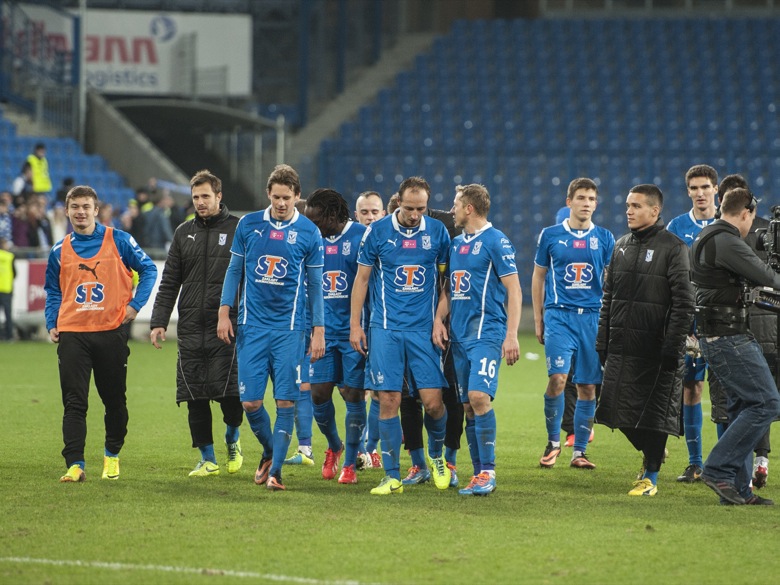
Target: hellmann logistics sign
x,y
135,52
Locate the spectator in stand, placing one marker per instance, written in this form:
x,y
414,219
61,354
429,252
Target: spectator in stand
x,y
106,216
39,228
22,185
41,182
157,227
20,228
6,219
58,219
7,275
62,192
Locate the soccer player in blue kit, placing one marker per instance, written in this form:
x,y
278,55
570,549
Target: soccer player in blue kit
x,y
272,251
482,280
406,252
341,364
702,184
566,290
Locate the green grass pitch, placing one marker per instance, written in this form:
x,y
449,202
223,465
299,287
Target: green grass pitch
x,y
156,525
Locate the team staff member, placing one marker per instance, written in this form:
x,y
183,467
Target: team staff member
x,y
645,318
721,261
206,368
89,303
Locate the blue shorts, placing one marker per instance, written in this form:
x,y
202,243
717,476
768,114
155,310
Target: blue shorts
x,y
340,365
264,353
694,369
476,366
304,369
395,354
569,333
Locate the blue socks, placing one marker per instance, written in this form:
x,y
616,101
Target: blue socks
x,y
436,428
418,458
390,433
207,453
283,429
355,422
485,430
303,418
451,455
471,439
553,414
373,426
692,419
260,423
652,476
106,452
231,434
325,415
584,412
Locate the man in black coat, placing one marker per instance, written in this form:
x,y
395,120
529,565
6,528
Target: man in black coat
x,y
206,370
645,318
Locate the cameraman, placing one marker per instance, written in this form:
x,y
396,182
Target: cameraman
x,y
720,262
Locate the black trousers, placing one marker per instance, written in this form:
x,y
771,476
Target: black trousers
x,y
412,413
104,354
199,417
650,443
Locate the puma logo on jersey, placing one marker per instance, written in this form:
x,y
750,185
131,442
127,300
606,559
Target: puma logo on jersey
x,y
192,236
562,242
88,269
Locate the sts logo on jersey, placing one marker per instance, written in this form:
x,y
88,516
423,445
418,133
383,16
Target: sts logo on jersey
x,y
460,284
334,284
271,269
89,295
410,278
578,275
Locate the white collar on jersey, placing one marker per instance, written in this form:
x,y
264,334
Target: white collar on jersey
x,y
337,237
405,231
576,233
468,237
702,223
280,225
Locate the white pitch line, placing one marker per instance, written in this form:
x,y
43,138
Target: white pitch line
x,y
171,569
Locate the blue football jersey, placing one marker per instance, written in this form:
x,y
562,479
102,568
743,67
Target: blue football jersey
x,y
477,295
687,227
275,256
575,261
405,263
338,275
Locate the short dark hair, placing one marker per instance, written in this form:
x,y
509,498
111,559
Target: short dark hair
x,y
702,171
284,175
206,176
414,184
81,191
477,196
652,192
730,182
735,200
39,145
330,203
581,183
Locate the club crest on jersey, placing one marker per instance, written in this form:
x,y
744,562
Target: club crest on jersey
x,y
292,237
477,248
409,244
271,268
222,239
89,295
578,275
410,277
649,256
426,242
331,249
594,243
460,281
346,248
334,281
